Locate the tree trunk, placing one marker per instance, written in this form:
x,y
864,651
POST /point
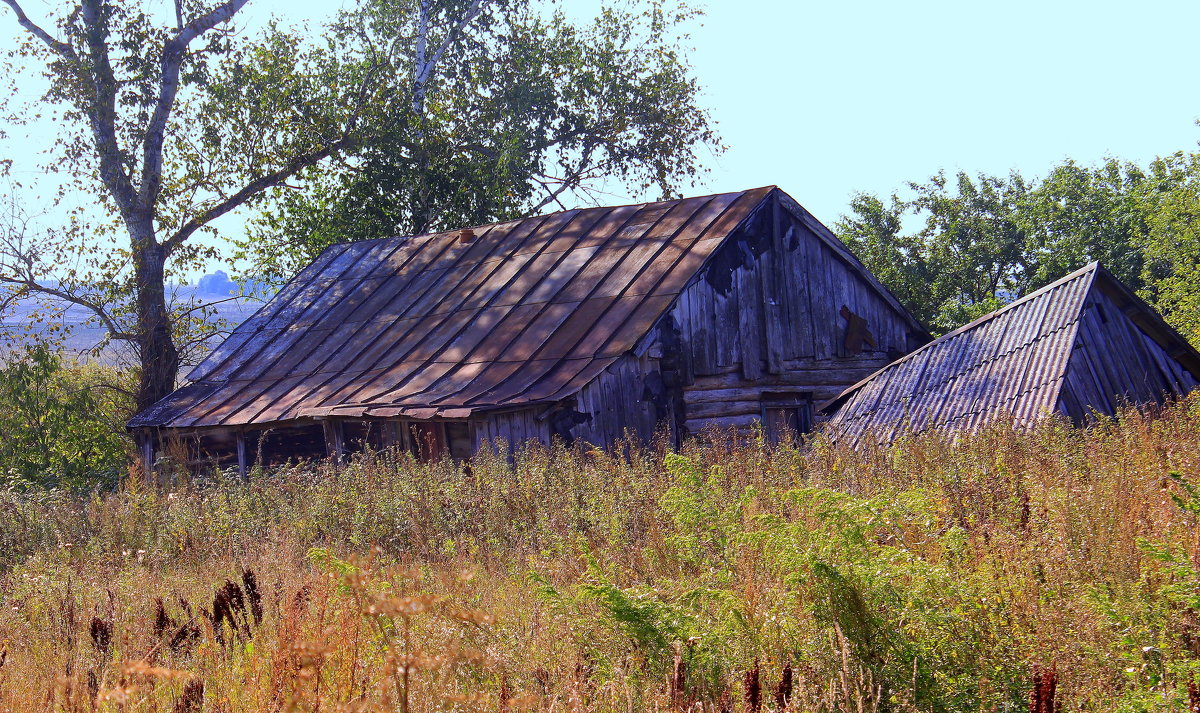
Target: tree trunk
x,y
156,349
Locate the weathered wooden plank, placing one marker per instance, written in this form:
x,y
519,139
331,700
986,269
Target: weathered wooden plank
x,y
335,441
725,337
704,313
243,462
771,311
806,250
742,421
722,409
746,283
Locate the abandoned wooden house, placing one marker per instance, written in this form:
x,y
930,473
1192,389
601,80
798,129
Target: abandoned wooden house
x,y
589,324
1080,346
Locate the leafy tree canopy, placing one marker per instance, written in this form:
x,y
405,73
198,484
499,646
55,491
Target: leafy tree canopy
x,y
525,110
956,249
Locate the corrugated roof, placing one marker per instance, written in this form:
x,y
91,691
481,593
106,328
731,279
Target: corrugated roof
x,y
527,311
1009,364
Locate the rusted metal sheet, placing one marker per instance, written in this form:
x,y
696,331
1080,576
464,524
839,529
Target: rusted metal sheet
x,y
1011,364
526,311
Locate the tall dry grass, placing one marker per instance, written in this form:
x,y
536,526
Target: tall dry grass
x,y
933,576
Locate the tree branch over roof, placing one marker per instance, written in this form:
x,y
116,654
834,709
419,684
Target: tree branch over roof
x,y
255,187
62,48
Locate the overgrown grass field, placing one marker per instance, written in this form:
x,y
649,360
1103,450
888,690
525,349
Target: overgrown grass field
x,y
932,576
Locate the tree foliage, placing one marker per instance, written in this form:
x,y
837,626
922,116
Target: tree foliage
x,y
61,422
130,91
984,240
514,112
1170,240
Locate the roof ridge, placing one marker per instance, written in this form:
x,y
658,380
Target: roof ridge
x,y
551,213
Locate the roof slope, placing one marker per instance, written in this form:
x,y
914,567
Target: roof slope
x,y
527,311
1011,363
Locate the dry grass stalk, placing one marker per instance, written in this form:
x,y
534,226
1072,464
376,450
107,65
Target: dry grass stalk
x,y
783,692
192,698
677,681
253,596
101,631
1007,528
505,694
1042,693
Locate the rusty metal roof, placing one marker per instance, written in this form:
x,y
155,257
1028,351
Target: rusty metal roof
x,y
1008,364
522,312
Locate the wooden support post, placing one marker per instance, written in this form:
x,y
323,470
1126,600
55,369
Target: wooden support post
x,y
334,440
147,439
242,461
404,434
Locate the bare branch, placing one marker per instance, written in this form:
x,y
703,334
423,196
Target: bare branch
x,y
58,46
28,284
570,180
172,59
202,338
210,304
256,187
551,195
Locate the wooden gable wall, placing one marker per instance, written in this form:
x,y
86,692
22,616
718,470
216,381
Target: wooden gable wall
x,y
764,316
1114,362
780,310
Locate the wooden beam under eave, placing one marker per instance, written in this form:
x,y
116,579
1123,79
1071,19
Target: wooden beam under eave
x,y
146,443
335,440
242,461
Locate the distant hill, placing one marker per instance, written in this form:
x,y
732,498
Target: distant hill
x,y
214,289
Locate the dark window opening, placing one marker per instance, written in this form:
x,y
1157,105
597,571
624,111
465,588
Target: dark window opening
x,y
359,436
786,415
459,440
285,443
217,449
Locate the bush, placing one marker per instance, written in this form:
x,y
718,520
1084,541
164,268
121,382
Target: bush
x,y
61,423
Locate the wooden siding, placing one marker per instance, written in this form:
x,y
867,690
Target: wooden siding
x,y
623,400
1115,363
766,315
512,427
763,316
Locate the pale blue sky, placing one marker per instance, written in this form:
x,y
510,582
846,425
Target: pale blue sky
x,y
825,99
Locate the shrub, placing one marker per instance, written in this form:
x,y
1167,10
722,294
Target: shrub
x,y
61,423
